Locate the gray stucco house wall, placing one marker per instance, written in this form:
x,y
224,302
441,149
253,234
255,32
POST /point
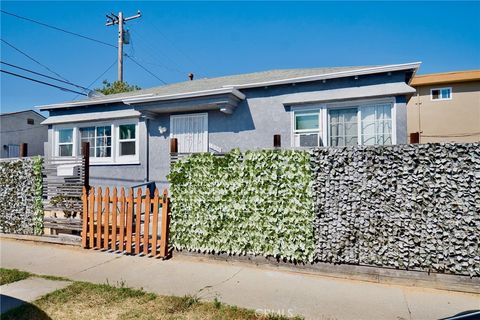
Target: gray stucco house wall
x,y
243,111
22,127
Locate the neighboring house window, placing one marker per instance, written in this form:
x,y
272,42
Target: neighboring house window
x,y
307,129
344,125
115,142
13,151
30,121
65,142
441,94
191,131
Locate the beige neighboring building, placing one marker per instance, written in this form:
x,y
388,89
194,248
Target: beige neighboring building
x,y
446,107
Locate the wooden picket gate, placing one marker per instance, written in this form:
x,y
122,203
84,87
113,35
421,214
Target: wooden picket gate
x,y
124,223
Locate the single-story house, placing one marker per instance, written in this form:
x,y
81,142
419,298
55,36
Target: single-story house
x,y
129,133
22,128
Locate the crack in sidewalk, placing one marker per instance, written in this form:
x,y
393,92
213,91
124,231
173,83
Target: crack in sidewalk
x,y
208,287
97,265
406,302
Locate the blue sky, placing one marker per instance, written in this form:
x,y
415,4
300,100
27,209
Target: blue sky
x,y
219,38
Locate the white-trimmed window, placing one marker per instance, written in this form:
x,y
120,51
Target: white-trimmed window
x,y
65,142
376,124
441,94
307,129
344,124
100,139
343,127
127,145
110,142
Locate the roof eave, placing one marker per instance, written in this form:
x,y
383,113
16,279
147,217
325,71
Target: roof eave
x,y
187,95
339,74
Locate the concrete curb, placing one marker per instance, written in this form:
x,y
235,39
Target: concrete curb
x,y
421,279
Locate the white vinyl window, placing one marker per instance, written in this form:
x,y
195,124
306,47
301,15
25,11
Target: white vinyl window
x,y
113,142
127,140
13,151
343,127
307,129
377,124
441,94
100,139
65,143
344,124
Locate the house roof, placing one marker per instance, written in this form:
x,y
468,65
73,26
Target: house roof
x,y
23,111
220,85
446,77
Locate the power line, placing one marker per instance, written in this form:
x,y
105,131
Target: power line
x,y
42,82
175,66
31,58
103,73
43,75
58,29
138,64
108,69
172,43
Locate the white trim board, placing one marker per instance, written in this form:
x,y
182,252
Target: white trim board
x,y
92,116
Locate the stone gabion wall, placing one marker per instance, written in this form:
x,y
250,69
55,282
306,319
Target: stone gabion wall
x,y
414,207
21,196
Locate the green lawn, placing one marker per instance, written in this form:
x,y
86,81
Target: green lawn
x,y
83,300
12,275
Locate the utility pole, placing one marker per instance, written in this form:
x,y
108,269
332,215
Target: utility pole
x,y
119,20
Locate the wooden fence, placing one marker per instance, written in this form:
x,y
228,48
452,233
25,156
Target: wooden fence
x,y
126,223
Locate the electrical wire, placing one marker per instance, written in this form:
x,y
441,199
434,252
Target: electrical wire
x,y
138,64
42,82
101,75
173,45
43,75
58,29
33,59
175,67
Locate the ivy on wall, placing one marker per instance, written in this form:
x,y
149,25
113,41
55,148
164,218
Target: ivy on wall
x,y
21,209
38,203
257,202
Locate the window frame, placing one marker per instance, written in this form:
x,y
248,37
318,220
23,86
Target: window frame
x,y
56,149
126,158
115,158
440,89
206,132
94,158
323,108
298,132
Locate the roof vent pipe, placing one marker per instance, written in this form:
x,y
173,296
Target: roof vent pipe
x,y
190,76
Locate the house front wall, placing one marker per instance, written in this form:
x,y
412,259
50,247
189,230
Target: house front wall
x,y
252,125
453,120
15,130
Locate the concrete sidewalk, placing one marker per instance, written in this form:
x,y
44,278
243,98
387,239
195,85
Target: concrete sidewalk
x,y
264,289
17,293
